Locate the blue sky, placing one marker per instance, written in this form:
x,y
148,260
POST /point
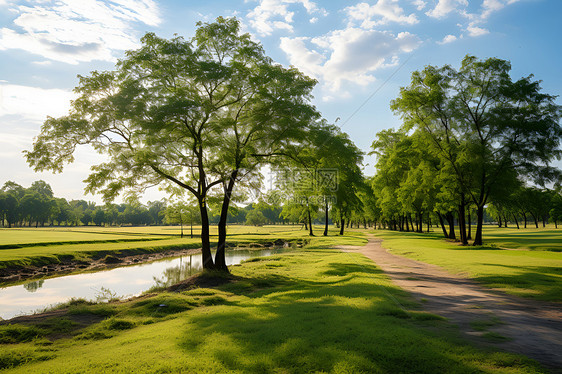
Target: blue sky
x,y
356,49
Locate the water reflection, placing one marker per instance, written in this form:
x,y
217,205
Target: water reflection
x,y
176,274
119,282
34,286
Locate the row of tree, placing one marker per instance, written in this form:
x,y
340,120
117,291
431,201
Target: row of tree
x,y
471,137
37,206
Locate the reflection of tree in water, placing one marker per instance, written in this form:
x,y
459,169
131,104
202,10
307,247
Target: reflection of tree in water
x,y
34,286
178,273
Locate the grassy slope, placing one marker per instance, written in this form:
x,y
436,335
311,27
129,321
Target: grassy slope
x,y
536,274
317,310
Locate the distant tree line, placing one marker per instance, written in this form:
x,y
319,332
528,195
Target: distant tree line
x,y
37,206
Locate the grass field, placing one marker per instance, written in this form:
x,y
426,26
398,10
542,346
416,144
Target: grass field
x,y
314,310
535,273
42,246
541,239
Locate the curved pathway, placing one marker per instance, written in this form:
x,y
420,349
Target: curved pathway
x,y
533,328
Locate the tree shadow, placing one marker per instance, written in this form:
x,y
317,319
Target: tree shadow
x,y
544,282
350,319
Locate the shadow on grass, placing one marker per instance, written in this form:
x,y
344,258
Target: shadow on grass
x,y
544,282
322,323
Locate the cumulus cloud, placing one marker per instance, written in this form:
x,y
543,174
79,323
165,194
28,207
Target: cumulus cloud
x,y
444,7
448,39
73,31
491,6
347,56
380,13
476,31
33,103
271,15
419,4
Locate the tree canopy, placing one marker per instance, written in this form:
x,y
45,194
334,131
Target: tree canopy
x,y
485,129
198,114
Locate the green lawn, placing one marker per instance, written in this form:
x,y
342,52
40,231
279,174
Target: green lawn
x,y
314,310
541,239
52,245
530,273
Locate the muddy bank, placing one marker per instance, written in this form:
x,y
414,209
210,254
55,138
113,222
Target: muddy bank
x,y
9,276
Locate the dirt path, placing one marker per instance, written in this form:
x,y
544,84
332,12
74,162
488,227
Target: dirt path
x,y
534,328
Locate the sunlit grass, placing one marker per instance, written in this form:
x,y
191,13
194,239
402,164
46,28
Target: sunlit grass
x,y
88,242
536,274
313,310
541,239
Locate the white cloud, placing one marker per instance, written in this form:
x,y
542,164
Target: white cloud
x,y
271,15
313,20
444,7
383,12
448,39
491,6
476,31
33,103
347,56
419,4
74,31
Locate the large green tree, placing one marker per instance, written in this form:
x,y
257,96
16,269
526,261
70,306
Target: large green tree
x,y
484,125
197,114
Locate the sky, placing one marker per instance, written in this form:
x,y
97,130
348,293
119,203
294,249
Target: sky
x,y
360,52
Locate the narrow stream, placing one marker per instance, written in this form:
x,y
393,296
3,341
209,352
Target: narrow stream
x,y
120,282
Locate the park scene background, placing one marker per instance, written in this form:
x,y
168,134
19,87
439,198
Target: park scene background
x,y
289,187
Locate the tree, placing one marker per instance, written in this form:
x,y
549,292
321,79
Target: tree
x,y
255,217
486,127
98,217
182,212
192,114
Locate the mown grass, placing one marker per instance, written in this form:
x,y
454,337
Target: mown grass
x,y
541,239
534,274
315,310
32,249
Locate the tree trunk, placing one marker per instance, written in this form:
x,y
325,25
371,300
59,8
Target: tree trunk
x,y
205,242
525,219
462,223
326,217
181,225
220,259
342,225
479,222
499,221
536,220
469,223
310,233
442,224
451,221
516,221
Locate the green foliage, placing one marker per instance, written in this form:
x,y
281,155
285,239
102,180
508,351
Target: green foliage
x,y
255,218
483,129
